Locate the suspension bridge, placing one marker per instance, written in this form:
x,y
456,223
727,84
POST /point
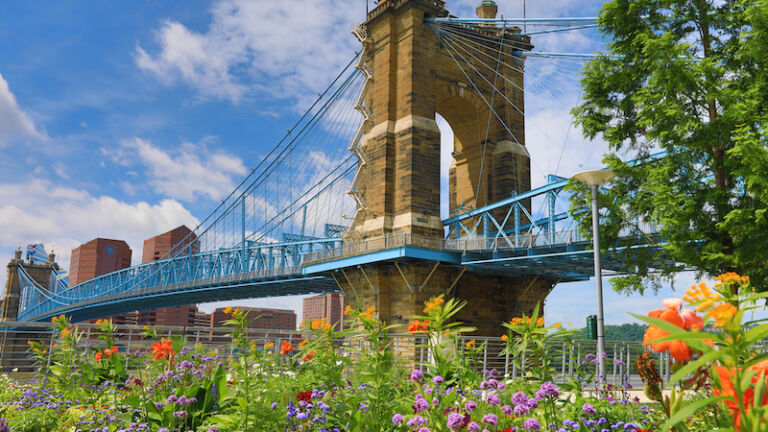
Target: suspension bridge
x,y
349,198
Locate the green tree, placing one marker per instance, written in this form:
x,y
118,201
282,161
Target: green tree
x,y
687,77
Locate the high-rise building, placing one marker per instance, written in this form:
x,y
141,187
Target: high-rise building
x,y
329,306
261,318
156,247
98,257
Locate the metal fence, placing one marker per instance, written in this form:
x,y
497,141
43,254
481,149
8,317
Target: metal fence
x,y
409,350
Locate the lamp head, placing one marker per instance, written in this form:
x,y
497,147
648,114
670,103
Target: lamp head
x,y
594,177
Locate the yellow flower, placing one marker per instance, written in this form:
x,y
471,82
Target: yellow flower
x,y
347,310
269,345
722,314
504,338
318,324
228,310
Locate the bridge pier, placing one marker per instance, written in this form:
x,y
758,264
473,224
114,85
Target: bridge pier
x,y
13,344
399,290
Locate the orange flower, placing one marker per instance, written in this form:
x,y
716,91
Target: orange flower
x,y
727,389
504,338
269,345
228,310
417,326
309,356
65,332
470,344
677,349
114,349
433,304
286,348
98,356
320,324
369,312
347,310
162,350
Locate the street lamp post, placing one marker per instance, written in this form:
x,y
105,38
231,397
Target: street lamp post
x,y
594,179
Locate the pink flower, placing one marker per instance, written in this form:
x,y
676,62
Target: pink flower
x,y
672,303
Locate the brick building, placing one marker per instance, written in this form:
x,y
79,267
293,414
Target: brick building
x,y
268,319
330,306
159,245
97,257
154,249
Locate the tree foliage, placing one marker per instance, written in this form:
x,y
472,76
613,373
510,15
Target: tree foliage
x,y
689,78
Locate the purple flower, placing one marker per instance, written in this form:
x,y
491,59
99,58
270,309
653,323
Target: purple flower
x,y
159,405
492,399
438,380
416,375
519,398
397,419
301,416
180,414
470,406
491,419
531,424
455,421
547,389
417,421
521,410
4,426
532,403
172,399
274,405
507,409
420,405
424,429
588,409
473,427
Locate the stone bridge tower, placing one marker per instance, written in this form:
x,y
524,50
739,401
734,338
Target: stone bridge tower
x,y
413,77
41,273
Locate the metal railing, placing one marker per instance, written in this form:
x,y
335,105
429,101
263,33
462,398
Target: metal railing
x,y
409,350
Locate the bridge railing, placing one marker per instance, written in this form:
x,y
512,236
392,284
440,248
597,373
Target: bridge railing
x,y
409,350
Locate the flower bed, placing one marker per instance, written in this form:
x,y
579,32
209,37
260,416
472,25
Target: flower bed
x,y
323,385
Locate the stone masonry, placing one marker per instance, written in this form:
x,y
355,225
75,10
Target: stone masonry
x,y
414,78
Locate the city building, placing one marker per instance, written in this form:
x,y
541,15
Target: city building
x,y
156,247
329,306
261,318
172,316
97,257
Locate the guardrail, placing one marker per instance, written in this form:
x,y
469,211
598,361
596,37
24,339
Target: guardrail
x,y
408,349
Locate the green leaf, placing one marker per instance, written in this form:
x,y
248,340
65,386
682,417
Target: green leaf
x,y
687,411
695,365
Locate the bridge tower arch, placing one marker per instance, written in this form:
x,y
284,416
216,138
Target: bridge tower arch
x,y
413,77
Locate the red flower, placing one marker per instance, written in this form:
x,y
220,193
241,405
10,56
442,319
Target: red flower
x,y
304,396
417,326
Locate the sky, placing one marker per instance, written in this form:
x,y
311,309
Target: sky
x,y
126,119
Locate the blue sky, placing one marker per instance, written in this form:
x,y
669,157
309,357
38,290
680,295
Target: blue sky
x,y
127,119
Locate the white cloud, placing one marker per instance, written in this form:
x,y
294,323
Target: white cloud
x,y
186,173
14,123
296,46
62,217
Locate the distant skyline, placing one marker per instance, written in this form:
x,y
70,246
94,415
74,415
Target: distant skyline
x,y
124,120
